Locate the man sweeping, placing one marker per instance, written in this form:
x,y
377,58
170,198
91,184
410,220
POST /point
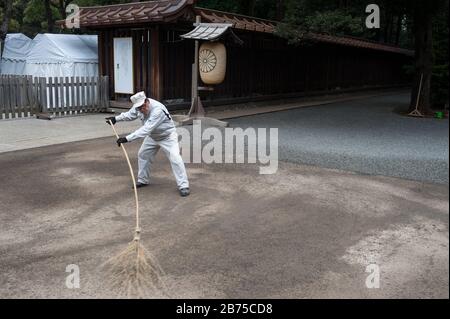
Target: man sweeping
x,y
158,131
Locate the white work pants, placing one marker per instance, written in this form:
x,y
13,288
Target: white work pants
x,y
171,149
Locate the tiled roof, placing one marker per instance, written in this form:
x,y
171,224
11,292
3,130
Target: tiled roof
x,y
212,32
170,10
207,31
358,43
132,13
239,21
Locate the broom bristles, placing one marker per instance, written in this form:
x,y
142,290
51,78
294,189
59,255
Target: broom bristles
x,y
135,273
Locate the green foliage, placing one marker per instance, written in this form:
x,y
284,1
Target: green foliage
x,y
344,18
321,17
34,13
29,15
34,19
397,27
14,26
89,3
264,9
228,6
337,22
439,85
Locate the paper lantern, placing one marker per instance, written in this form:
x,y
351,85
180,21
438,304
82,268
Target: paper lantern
x,y
212,62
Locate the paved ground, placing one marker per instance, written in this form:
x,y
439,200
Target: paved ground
x,y
304,232
19,134
364,136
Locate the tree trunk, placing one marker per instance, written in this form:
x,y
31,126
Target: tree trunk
x,y
6,18
62,8
280,10
391,29
423,58
398,29
48,13
387,28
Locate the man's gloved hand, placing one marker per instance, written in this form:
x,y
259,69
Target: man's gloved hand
x,y
122,140
112,119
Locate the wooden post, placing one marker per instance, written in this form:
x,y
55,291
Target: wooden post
x,y
73,104
83,94
105,80
56,105
195,70
156,65
101,54
197,112
88,94
197,109
43,112
29,94
78,101
62,107
67,107
18,93
50,91
13,96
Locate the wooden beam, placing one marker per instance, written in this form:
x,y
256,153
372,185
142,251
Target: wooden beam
x,y
156,69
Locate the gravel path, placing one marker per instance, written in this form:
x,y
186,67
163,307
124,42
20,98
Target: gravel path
x,y
364,136
304,232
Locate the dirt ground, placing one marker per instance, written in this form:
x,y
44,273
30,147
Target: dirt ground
x,y
304,232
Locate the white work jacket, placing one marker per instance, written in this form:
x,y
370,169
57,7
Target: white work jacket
x,y
158,124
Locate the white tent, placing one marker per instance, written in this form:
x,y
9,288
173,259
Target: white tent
x,y
56,55
63,55
15,51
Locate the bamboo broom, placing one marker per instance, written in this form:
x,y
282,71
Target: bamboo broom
x,y
134,272
416,112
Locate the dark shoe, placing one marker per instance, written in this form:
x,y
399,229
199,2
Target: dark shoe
x,y
140,185
184,192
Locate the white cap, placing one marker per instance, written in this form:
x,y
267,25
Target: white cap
x,y
138,99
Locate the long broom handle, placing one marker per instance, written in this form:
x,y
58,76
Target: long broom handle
x,y
138,230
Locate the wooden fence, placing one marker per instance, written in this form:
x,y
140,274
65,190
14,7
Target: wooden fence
x,y
24,96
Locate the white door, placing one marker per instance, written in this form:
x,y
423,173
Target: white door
x,y
123,65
